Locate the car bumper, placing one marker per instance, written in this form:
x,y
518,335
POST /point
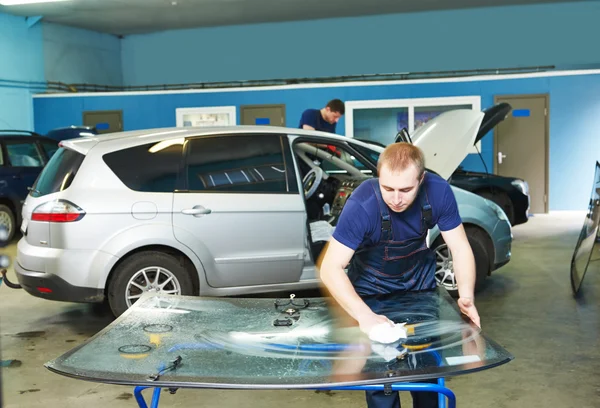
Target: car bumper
x,y
52,287
502,237
521,203
68,275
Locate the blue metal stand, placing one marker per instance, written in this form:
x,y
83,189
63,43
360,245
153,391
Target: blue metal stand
x,y
137,392
428,387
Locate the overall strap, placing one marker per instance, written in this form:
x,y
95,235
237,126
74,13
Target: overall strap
x,y
425,208
386,222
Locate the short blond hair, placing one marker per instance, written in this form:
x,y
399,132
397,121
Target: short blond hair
x,y
398,156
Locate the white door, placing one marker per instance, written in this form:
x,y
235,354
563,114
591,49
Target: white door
x,y
241,213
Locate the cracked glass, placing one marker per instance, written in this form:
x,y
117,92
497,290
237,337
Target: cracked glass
x,y
194,342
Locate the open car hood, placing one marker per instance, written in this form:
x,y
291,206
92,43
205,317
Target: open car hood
x,y
492,116
447,139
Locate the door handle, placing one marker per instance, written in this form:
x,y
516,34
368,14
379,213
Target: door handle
x,y
500,157
196,210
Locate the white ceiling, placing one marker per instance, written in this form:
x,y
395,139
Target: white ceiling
x,y
123,17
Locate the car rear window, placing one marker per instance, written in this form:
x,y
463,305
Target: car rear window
x,y
149,168
58,174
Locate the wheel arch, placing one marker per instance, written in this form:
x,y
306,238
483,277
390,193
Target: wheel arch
x,y
182,258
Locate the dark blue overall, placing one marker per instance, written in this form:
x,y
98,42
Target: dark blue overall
x,y
393,266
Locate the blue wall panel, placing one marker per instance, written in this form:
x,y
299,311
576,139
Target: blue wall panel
x,y
21,59
75,56
574,117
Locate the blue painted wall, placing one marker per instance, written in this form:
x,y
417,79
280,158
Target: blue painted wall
x,y
563,34
574,117
21,61
31,55
73,56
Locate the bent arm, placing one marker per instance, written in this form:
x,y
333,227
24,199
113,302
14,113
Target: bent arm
x,y
336,281
308,127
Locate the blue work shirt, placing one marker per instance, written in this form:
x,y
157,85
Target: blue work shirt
x,y
359,224
312,117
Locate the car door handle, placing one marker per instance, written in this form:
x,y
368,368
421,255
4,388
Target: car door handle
x,y
196,210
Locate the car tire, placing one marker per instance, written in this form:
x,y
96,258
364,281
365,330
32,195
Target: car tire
x,y
477,240
7,218
152,263
503,201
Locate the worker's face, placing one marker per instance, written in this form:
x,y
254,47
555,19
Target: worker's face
x,y
332,117
399,189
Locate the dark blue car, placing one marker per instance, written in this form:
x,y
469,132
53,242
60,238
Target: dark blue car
x,y
23,155
71,132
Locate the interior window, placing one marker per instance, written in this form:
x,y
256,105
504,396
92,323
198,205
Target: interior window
x,y
237,163
24,155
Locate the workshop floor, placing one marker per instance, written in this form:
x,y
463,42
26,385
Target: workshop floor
x,y
527,307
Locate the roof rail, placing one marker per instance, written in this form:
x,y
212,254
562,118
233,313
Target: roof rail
x,y
15,132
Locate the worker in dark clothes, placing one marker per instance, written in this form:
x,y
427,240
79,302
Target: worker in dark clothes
x,y
381,237
324,119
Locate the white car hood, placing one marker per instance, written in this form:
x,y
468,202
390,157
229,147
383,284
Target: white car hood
x,y
447,139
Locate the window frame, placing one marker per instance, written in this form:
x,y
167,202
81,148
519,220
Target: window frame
x,y
410,104
288,162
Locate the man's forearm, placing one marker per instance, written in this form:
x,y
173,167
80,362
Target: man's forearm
x,y
464,271
337,283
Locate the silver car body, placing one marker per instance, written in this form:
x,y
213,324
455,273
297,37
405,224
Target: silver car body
x,y
235,243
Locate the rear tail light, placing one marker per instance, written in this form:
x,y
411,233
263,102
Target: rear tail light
x,y
57,211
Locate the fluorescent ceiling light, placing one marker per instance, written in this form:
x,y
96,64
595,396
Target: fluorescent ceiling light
x,y
21,2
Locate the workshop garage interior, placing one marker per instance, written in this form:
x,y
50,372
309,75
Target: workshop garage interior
x,y
267,203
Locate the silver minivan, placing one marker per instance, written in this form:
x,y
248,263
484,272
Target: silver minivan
x,y
217,211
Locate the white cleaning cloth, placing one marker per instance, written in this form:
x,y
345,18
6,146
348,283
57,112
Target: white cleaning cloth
x,y
386,334
388,353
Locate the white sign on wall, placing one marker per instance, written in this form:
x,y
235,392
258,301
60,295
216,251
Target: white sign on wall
x,y
206,116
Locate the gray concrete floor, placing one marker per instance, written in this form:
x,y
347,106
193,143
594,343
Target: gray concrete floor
x,y
526,306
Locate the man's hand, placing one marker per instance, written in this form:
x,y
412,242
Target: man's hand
x,y
368,321
467,307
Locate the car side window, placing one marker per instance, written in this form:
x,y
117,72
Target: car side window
x,y
1,155
50,148
151,167
24,154
237,163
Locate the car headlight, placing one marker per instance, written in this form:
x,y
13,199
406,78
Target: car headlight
x,y
497,209
521,185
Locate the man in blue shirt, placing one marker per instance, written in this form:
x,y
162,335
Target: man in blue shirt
x,y
324,119
381,237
